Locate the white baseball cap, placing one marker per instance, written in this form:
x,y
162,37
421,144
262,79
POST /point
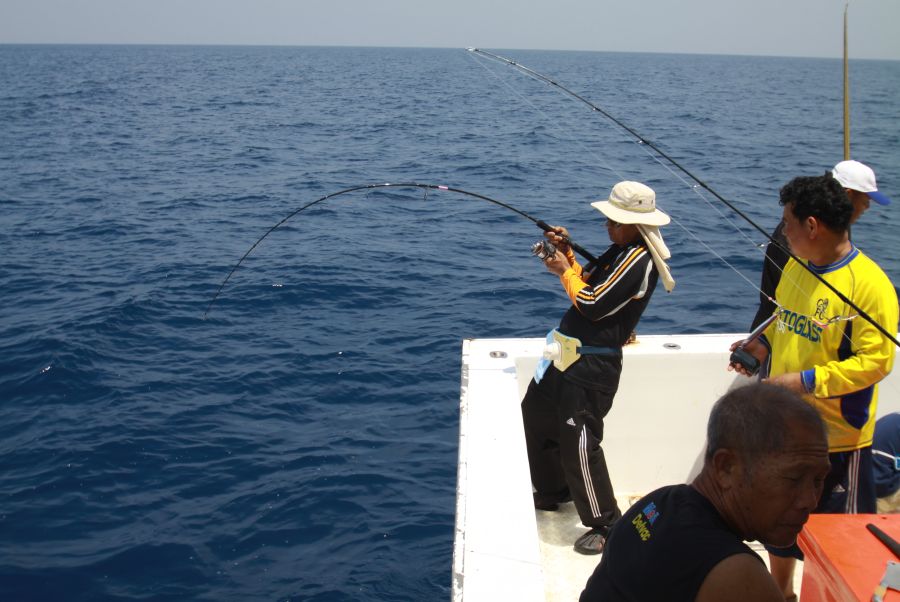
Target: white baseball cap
x,y
857,176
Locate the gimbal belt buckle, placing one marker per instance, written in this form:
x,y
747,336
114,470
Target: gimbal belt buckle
x,y
564,351
567,351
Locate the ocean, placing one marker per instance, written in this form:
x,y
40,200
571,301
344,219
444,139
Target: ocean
x,y
299,441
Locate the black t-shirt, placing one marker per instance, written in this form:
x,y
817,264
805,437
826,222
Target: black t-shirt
x,y
662,549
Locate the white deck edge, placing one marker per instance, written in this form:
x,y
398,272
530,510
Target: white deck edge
x,y
496,529
653,437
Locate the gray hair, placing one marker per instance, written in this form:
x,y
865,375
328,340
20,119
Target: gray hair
x,y
754,420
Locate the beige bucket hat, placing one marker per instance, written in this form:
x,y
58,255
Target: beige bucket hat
x,y
632,203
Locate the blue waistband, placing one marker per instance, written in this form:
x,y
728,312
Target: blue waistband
x,y
589,350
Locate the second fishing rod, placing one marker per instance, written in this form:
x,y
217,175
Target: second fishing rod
x,y
644,141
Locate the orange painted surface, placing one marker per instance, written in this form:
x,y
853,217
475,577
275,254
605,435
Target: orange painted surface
x,y
844,560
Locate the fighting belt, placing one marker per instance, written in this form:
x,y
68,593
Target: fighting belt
x,y
564,351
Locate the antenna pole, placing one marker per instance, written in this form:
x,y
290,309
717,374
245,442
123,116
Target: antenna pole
x,y
846,90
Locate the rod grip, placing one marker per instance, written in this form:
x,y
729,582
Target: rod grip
x,y
575,247
886,539
582,251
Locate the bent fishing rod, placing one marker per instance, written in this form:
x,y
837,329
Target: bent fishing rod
x,y
539,223
531,72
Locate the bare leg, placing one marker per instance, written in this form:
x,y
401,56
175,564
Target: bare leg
x,y
783,574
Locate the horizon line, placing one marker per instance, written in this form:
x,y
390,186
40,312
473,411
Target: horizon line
x,y
415,47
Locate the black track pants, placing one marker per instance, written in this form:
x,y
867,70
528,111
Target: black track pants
x,y
563,430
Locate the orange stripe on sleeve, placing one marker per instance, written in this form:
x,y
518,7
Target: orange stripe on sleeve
x,y
591,294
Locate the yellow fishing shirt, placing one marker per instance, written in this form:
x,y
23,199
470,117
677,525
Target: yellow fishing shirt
x,y
840,362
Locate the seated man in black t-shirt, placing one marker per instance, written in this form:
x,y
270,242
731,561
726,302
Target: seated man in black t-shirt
x,y
765,463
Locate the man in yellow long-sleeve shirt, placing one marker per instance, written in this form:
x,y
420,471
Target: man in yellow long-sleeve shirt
x,y
819,346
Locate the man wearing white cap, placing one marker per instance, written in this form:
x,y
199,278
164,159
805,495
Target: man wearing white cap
x,y
566,402
858,181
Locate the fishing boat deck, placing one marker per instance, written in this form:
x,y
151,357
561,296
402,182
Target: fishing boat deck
x,y
654,436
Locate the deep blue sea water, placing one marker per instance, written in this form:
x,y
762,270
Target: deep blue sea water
x,y
300,443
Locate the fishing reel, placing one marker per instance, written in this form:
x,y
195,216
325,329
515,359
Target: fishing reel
x,y
543,250
742,357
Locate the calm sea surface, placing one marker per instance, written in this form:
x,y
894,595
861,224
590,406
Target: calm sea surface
x,y
300,443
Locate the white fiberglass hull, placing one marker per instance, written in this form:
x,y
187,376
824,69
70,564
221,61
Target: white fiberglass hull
x,y
653,436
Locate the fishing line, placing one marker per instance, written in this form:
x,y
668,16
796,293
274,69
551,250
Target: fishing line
x,y
696,189
369,187
678,176
602,161
643,141
638,139
645,145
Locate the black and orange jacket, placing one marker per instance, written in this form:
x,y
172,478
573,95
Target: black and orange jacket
x,y
608,302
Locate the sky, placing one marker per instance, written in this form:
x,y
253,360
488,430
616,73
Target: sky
x,y
811,28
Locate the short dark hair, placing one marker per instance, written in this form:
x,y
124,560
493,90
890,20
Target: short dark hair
x,y
821,197
753,421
